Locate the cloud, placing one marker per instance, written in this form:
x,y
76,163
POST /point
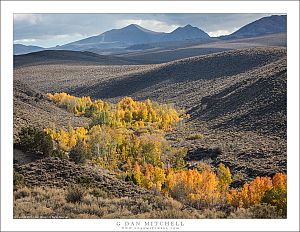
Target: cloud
x,y
221,32
52,29
48,41
24,41
154,25
29,18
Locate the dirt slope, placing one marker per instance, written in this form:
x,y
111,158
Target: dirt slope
x,y
31,107
54,172
174,77
254,101
68,77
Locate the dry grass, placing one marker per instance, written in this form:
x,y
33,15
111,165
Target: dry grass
x,y
258,211
47,202
51,203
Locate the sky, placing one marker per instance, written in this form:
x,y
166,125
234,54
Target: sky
x,y
48,30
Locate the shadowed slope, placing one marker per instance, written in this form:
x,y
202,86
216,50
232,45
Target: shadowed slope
x,y
67,57
202,68
255,101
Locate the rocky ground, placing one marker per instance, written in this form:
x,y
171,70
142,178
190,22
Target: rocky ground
x,y
247,154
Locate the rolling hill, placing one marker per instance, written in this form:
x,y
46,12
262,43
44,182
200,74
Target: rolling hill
x,y
258,102
113,82
182,74
68,57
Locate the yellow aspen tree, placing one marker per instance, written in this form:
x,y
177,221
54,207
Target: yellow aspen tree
x,y
137,174
224,176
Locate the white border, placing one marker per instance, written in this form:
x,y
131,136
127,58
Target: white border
x,y
7,10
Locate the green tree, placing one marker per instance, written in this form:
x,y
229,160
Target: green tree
x,y
35,141
78,153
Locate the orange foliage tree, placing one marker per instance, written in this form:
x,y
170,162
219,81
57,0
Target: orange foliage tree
x,y
260,190
198,188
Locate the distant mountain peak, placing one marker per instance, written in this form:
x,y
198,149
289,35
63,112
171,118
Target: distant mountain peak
x,y
263,26
189,32
133,26
189,26
135,34
136,27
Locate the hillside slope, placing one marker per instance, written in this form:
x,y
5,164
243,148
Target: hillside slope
x,y
61,173
48,181
31,108
177,81
183,82
67,57
255,100
62,77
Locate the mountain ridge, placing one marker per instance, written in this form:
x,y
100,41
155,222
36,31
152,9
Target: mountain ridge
x,y
134,34
24,49
263,26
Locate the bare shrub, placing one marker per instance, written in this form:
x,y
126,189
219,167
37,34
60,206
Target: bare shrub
x,y
75,194
171,213
22,193
262,211
18,180
213,213
195,136
98,192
